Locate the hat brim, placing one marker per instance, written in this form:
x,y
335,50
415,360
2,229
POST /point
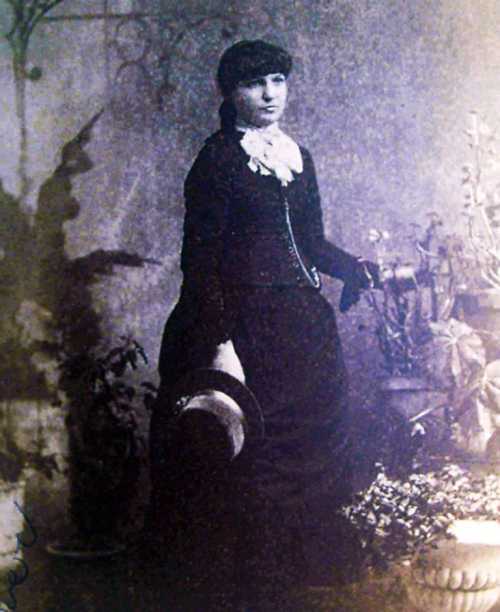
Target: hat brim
x,y
203,379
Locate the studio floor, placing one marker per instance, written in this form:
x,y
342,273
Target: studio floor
x,y
132,582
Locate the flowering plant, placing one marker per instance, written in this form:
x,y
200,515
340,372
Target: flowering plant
x,y
424,292
395,518
414,326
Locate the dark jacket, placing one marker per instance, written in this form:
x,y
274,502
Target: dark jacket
x,y
243,229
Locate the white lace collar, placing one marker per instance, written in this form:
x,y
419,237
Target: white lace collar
x,y
271,152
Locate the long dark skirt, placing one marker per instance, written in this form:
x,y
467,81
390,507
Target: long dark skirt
x,y
284,487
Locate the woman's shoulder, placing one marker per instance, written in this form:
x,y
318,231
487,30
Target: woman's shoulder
x,y
306,155
222,142
218,150
216,161
218,138
307,162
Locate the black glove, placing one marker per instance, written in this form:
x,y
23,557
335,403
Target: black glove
x,y
364,275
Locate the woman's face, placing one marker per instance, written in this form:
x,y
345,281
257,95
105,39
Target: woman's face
x,y
261,101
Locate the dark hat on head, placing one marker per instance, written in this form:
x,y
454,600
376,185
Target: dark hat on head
x,y
249,59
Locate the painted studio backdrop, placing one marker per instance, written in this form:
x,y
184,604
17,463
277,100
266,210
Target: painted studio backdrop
x,y
103,106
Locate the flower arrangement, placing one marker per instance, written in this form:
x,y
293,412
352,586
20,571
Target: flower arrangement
x,y
396,518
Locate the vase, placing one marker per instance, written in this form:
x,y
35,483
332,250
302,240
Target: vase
x,y
461,574
101,477
412,396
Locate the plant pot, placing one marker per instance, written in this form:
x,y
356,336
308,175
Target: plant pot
x,y
461,574
102,477
79,549
412,396
481,310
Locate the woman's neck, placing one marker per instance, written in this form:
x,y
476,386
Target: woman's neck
x,y
243,126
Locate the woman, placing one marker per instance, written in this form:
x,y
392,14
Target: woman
x,y
253,249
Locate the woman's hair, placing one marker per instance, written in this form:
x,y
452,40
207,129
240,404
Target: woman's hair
x,y
249,59
245,60
227,114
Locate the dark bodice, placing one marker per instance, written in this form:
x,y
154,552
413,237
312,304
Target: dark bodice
x,y
245,228
266,235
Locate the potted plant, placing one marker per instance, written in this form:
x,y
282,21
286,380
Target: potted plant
x,y
436,364
438,527
106,445
425,351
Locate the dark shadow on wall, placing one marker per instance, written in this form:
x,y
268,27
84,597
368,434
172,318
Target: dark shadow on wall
x,y
64,285
46,298
47,311
18,377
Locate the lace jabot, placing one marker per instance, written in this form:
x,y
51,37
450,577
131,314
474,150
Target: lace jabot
x,y
271,152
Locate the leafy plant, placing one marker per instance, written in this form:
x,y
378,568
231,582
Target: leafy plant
x,y
419,338
395,518
107,446
415,298
95,381
477,413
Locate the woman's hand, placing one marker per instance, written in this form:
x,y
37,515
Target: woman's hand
x,y
227,360
365,275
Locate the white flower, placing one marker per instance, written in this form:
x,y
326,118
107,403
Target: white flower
x,y
374,235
